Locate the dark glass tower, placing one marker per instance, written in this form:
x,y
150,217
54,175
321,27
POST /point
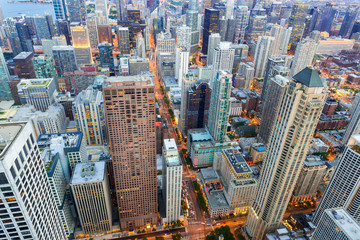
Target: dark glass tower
x,y
348,22
211,25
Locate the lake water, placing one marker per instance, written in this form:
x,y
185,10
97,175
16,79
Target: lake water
x,y
29,9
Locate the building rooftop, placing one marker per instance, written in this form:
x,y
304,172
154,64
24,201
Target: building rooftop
x,y
72,140
34,83
88,172
146,78
217,200
23,55
237,161
345,222
209,174
8,132
313,160
198,135
309,77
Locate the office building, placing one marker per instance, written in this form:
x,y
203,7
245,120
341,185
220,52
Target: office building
x,y
312,173
281,41
172,181
138,65
64,59
334,46
274,190
348,21
41,27
44,68
220,106
223,60
343,189
240,54
121,10
133,148
237,179
64,29
256,28
89,115
80,80
337,223
297,22
354,124
263,51
24,67
211,25
214,41
58,185
5,93
183,37
242,20
181,63
38,92
165,43
105,33
81,44
92,29
23,181
101,10
124,41
60,9
77,11
245,75
48,44
106,56
326,18
192,21
95,210
304,55
140,46
23,32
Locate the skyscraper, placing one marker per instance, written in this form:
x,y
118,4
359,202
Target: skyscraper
x,y
130,116
124,41
304,55
92,30
101,11
77,11
81,44
140,46
326,18
223,60
242,21
281,41
42,27
24,67
24,36
263,51
64,58
183,37
89,115
255,28
188,81
106,56
105,33
297,22
121,10
343,189
211,25
214,41
288,146
229,9
220,105
348,22
192,15
23,181
5,93
354,124
44,68
172,181
181,63
60,9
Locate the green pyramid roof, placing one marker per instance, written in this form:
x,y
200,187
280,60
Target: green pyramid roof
x,y
309,77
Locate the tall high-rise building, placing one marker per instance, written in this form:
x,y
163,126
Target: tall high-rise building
x,y
123,40
5,93
219,110
130,117
121,10
242,21
77,11
214,41
24,67
188,81
348,22
105,33
343,189
60,9
91,191
230,5
101,11
240,54
299,110
64,58
276,88
50,24
172,181
264,48
24,36
41,27
140,46
327,16
44,68
183,37
106,56
24,181
211,25
192,21
89,115
48,44
304,55
181,63
336,223
223,60
281,41
165,43
354,124
92,30
64,29
247,72
256,28
297,22
81,44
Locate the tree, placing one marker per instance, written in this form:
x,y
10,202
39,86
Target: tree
x,y
159,238
177,236
144,238
224,230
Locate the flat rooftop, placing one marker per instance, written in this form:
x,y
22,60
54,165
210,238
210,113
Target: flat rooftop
x,y
209,174
88,173
22,55
34,83
345,222
237,161
198,135
71,139
137,80
8,132
217,200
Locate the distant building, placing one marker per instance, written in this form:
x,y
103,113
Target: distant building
x,y
91,192
65,60
211,25
123,40
38,92
78,81
23,65
44,68
5,93
137,65
106,56
330,107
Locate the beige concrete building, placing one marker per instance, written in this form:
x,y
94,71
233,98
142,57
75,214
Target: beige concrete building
x,y
289,142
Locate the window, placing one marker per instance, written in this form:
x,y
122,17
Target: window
x,y
3,179
13,172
